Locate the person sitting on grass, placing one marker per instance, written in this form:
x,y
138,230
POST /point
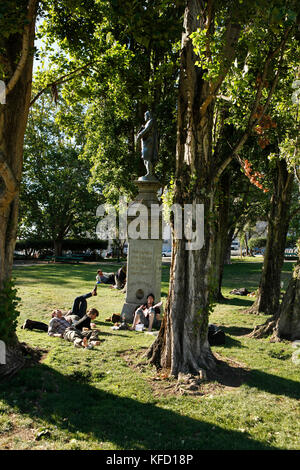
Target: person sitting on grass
x,y
120,278
148,314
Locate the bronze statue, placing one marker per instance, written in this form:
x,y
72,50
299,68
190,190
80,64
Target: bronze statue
x,y
148,135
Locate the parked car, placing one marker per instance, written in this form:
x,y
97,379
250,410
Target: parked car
x,y
167,253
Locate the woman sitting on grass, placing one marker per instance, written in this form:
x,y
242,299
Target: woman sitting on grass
x,y
148,314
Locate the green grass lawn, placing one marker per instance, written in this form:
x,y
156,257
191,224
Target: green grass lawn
x,y
95,399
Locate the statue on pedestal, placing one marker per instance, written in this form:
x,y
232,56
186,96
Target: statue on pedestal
x,y
148,135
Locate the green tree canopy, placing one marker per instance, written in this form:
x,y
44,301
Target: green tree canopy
x,y
56,202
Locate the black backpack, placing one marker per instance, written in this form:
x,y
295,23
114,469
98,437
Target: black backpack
x,y
216,336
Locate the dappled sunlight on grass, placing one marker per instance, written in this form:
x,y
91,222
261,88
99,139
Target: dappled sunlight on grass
x,y
93,400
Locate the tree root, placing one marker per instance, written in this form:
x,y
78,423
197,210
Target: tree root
x,y
269,328
18,356
15,361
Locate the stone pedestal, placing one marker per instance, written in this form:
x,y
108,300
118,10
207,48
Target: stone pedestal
x,y
144,255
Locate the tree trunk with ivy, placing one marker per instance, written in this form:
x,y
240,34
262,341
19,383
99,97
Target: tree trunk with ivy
x,y
269,289
182,345
18,49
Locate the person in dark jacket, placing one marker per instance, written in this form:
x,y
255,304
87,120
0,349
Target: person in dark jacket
x,y
86,320
120,278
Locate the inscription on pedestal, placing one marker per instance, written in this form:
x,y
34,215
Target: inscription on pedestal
x,y
144,256
144,270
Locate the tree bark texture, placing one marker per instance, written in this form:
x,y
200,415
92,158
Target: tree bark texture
x,y
182,344
13,120
288,325
221,229
18,49
285,323
269,289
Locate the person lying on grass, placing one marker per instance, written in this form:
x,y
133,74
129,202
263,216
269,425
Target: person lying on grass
x,y
61,327
80,304
38,325
117,280
85,322
148,314
75,317
104,278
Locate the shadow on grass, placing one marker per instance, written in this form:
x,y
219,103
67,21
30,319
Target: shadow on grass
x,y
70,405
230,342
241,302
273,384
237,330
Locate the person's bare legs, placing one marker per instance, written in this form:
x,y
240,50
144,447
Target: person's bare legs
x,y
151,319
136,320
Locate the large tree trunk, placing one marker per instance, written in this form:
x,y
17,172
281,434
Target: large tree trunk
x,y
13,120
58,245
269,289
227,258
182,344
221,236
288,325
285,323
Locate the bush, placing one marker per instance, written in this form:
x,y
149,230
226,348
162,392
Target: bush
x,y
257,243
45,247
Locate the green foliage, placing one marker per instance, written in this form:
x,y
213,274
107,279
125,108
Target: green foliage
x,y
202,41
259,242
55,201
68,244
129,57
8,311
12,20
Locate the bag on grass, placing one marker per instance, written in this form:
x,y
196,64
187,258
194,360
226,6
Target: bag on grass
x,y
216,336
